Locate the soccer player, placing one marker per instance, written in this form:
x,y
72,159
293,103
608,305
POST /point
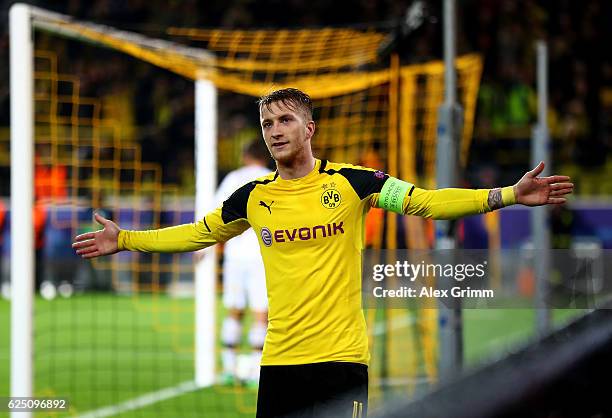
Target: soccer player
x,y
308,216
244,278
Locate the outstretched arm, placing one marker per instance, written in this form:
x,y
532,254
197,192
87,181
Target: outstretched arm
x,y
219,225
454,203
188,237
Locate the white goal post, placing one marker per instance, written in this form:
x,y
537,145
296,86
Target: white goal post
x,y
23,19
22,191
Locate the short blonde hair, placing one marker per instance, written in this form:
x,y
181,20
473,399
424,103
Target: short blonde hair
x,y
294,99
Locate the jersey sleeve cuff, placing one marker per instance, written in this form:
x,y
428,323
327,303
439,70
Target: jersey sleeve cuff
x,y
508,197
121,240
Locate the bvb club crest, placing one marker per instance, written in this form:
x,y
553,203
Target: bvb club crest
x,y
331,199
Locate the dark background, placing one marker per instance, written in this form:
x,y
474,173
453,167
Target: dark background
x,y
504,32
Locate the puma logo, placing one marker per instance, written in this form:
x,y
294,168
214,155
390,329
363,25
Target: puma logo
x,y
269,207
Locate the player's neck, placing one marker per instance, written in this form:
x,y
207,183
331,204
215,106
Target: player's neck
x,y
298,168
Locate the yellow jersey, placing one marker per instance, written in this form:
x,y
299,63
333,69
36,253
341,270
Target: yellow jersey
x,y
311,233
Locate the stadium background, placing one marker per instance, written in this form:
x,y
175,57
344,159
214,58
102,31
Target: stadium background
x,y
129,317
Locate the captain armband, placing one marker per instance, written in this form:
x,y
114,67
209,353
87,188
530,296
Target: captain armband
x,y
392,195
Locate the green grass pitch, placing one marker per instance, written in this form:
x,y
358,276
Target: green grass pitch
x,y
101,350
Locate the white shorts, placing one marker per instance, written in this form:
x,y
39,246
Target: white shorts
x,y
244,281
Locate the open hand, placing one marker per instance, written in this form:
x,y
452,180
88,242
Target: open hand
x,y
98,243
532,190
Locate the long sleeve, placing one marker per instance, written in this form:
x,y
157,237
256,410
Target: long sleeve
x,y
210,230
446,203
405,198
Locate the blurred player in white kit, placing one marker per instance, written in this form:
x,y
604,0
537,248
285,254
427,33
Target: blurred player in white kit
x,y
244,279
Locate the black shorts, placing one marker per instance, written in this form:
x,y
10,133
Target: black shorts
x,y
332,389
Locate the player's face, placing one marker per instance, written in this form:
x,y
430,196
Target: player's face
x,y
287,132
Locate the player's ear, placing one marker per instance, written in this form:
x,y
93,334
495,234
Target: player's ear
x,y
310,129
